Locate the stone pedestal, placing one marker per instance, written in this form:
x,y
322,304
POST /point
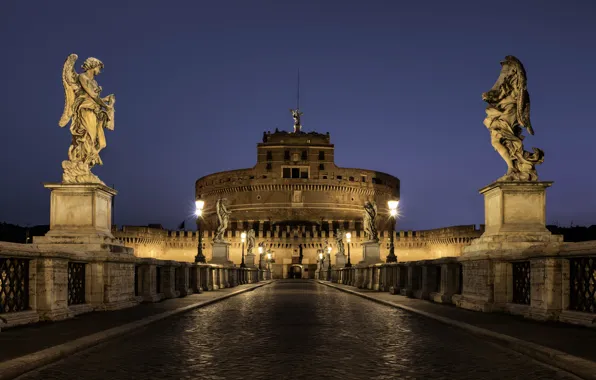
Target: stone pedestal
x,y
249,260
221,253
515,217
515,221
340,260
371,253
81,219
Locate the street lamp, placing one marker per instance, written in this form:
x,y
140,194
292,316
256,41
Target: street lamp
x,y
391,258
243,239
322,262
260,256
348,239
329,264
199,205
269,262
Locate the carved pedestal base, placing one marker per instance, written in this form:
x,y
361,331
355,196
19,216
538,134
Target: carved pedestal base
x,y
515,217
221,254
81,219
371,253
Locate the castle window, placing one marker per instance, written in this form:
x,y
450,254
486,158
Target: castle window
x,y
304,155
268,166
363,178
252,177
269,155
352,179
321,155
339,177
287,155
324,177
321,166
295,172
378,181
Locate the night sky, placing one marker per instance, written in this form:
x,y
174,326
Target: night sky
x,y
397,85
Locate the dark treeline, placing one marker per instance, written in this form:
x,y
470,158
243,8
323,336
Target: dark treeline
x,y
19,234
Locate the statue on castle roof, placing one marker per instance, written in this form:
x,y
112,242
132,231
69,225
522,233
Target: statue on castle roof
x,y
296,115
370,215
223,216
507,112
89,114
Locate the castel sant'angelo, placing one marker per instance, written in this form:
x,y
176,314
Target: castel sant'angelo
x,y
295,199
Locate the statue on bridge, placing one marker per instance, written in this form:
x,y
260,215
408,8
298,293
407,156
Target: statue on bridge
x,y
89,114
370,216
339,240
223,216
507,112
250,241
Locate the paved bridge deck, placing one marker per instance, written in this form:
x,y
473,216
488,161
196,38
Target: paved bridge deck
x,y
289,330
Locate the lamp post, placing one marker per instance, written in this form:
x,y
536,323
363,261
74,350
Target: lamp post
x,y
329,263
260,256
348,240
243,239
391,258
322,261
199,205
269,264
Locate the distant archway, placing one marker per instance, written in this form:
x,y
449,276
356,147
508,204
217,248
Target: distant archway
x,y
295,271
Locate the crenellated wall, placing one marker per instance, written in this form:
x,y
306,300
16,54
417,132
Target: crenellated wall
x,y
286,242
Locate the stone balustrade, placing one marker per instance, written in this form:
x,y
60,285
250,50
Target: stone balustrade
x,y
545,282
37,285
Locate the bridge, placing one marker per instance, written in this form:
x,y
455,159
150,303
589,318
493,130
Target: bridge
x,y
293,329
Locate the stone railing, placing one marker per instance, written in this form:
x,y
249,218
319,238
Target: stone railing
x,y
544,282
37,285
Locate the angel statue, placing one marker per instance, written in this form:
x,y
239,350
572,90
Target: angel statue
x,y
339,239
223,215
89,114
370,214
250,241
507,112
296,115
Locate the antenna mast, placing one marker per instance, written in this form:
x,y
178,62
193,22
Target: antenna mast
x,y
298,92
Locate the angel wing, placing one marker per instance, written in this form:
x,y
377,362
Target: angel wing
x,y
523,111
71,85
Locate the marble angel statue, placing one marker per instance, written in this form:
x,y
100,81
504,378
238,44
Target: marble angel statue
x,y
250,241
339,240
370,215
296,114
223,216
89,114
507,112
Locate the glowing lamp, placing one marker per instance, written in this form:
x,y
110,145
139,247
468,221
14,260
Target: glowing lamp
x,y
199,205
329,249
348,236
243,237
320,256
260,250
393,207
269,256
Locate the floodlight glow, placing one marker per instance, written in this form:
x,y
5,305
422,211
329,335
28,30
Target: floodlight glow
x,y
243,236
260,250
329,249
199,205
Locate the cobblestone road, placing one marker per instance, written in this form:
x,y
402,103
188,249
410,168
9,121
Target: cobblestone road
x,y
297,330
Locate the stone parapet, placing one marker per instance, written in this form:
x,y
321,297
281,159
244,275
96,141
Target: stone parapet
x,y
61,284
